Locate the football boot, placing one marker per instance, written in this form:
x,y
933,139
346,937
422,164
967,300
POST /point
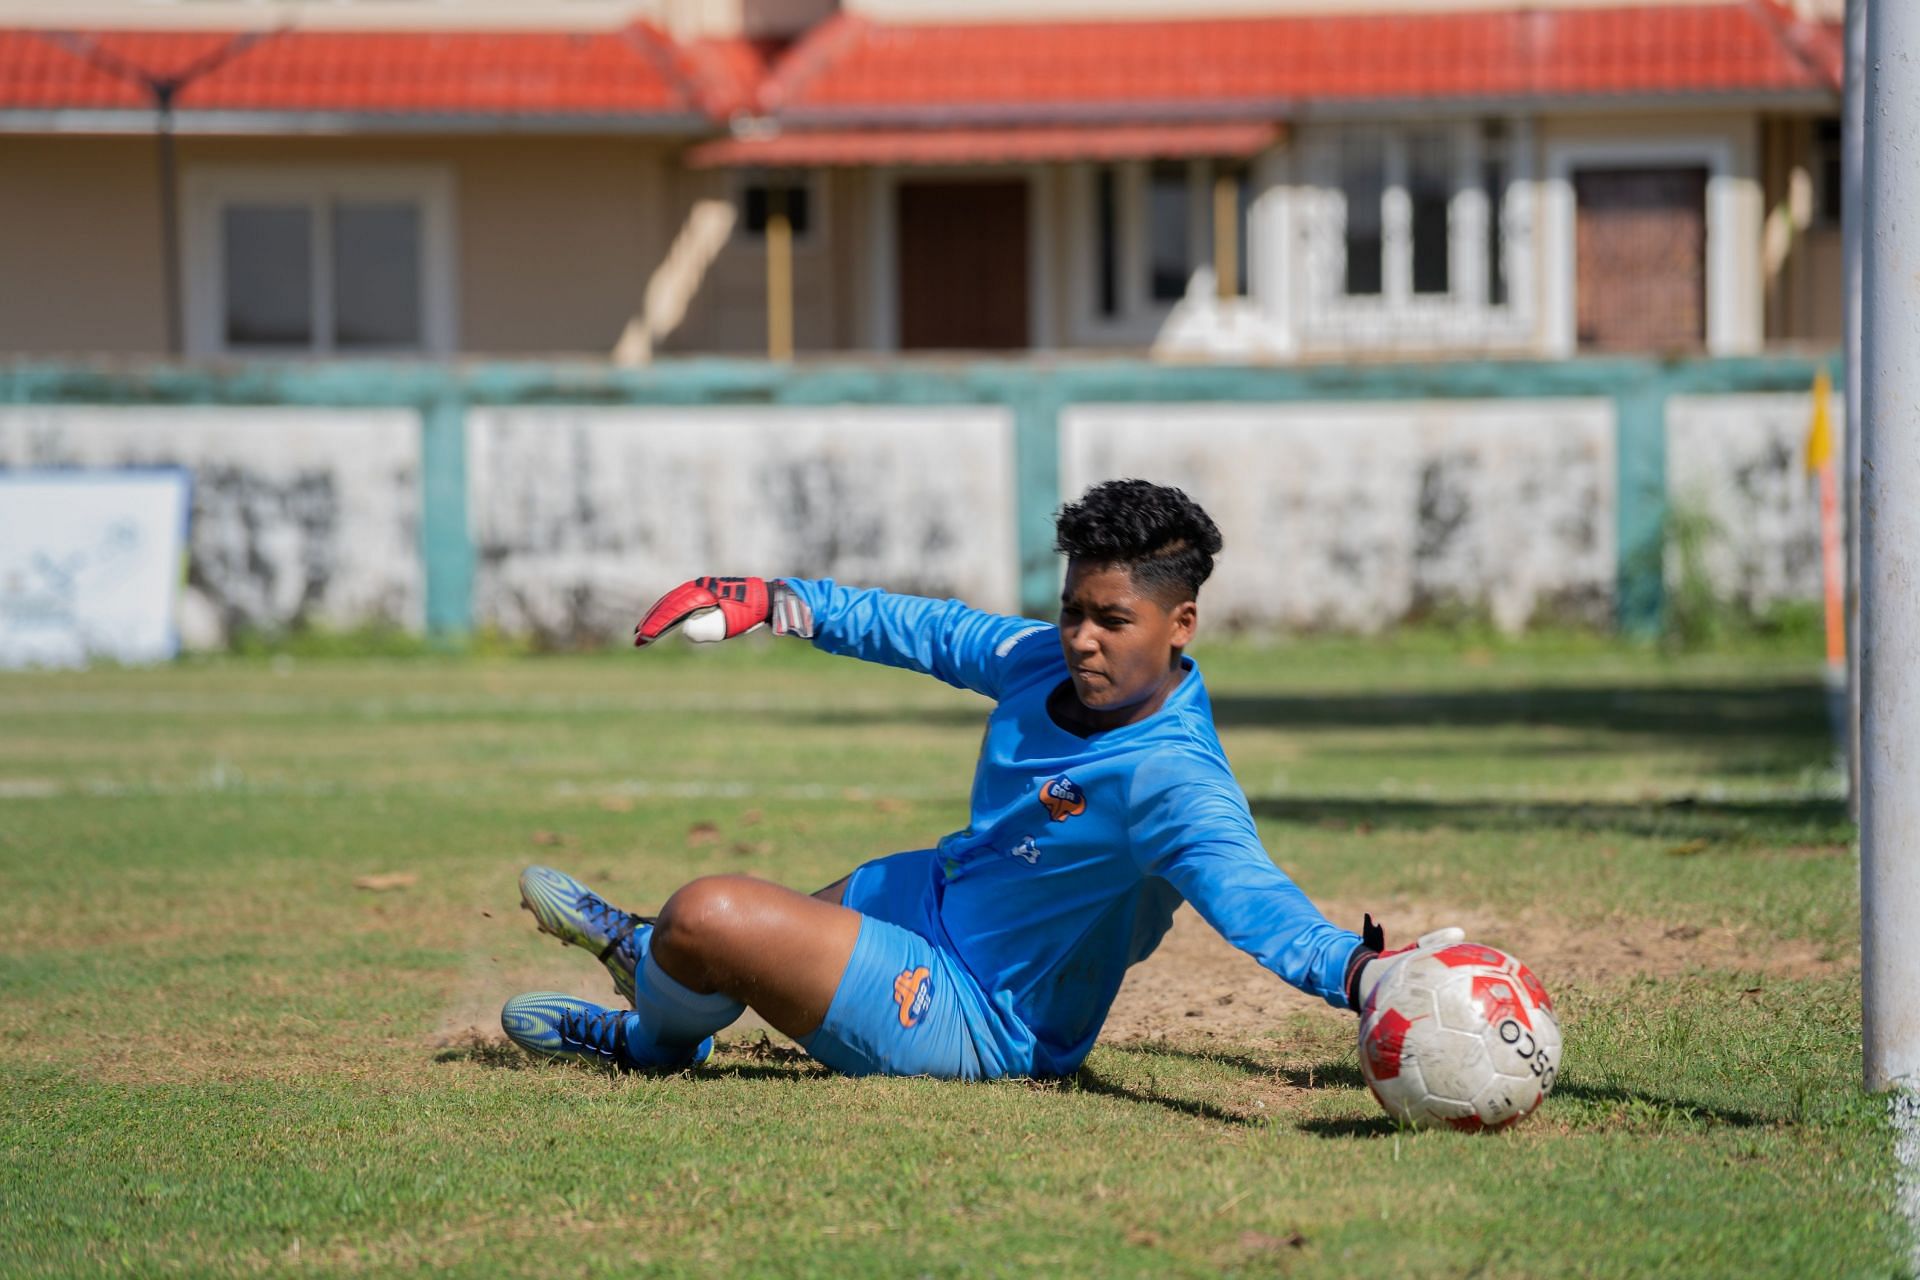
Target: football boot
x,y
580,917
551,1025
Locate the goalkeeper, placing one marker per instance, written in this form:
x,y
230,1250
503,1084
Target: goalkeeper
x,y
1102,800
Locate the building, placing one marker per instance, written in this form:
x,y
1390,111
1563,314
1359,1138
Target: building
x,y
380,275
1269,181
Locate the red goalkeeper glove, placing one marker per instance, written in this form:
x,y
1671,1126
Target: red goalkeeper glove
x,y
722,608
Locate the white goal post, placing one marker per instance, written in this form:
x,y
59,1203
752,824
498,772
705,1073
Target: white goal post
x,y
1890,551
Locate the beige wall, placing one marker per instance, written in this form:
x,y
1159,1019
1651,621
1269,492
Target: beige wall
x,y
1820,315
79,246
563,245
727,313
555,238
1802,255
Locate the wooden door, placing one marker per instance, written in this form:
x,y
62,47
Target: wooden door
x,y
1641,273
963,266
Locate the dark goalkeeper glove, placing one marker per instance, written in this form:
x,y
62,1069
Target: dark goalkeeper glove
x,y
721,608
1371,960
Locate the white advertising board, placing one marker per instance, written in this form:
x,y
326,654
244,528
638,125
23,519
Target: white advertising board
x,y
90,565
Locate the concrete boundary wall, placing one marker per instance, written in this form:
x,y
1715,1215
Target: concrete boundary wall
x,y
439,405
581,516
300,515
1737,468
1353,517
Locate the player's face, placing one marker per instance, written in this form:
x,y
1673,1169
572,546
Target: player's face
x,y
1121,644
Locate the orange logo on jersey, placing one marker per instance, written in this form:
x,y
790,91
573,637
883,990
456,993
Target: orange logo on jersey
x,y
1063,798
913,992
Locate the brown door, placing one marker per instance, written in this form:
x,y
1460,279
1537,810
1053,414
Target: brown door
x,y
963,266
1642,259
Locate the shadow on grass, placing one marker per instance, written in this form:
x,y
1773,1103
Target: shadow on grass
x,y
1736,728
761,1060
1783,709
1335,1074
1810,820
1634,1109
1091,1081
1789,710
1697,1113
1624,1106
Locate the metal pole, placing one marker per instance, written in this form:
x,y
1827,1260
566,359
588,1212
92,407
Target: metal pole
x,y
1890,552
163,95
1852,205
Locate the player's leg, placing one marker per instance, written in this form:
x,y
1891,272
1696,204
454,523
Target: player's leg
x,y
861,992
725,940
777,950
570,911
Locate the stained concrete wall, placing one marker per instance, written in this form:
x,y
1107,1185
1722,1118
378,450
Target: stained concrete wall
x,y
581,517
1354,517
1740,462
300,516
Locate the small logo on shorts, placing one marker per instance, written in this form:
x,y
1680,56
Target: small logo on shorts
x,y
913,992
1028,851
1063,798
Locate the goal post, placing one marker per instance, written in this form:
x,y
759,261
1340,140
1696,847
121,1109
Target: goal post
x,y
1890,552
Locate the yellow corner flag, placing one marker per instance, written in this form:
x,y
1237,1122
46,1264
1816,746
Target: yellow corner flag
x,y
1820,436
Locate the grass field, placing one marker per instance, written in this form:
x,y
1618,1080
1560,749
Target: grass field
x,y
223,1057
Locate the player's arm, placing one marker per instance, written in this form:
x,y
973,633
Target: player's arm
x,y
1195,831
964,646
1198,834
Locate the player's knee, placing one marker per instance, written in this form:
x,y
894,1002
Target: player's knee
x,y
700,920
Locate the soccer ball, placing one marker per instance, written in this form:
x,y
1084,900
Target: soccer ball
x,y
1461,1035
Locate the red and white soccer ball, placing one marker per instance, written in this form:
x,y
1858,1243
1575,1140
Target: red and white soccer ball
x,y
1462,1036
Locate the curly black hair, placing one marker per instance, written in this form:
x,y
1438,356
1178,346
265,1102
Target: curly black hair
x,y
1159,534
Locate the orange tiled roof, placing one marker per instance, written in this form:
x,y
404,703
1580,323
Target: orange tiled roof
x,y
626,73
854,70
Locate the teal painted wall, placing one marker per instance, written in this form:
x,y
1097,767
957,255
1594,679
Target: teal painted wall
x,y
1035,393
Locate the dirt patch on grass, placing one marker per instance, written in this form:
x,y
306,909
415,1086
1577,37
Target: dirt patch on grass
x,y
1198,983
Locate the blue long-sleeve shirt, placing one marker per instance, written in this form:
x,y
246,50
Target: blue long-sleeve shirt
x,y
1079,849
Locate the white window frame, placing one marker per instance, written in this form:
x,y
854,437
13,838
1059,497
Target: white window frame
x,y
207,190
814,236
1140,319
1397,318
1726,334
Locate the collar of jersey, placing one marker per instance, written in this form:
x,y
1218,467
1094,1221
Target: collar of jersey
x,y
1179,697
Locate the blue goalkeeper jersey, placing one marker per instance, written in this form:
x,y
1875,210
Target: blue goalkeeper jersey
x,y
1078,849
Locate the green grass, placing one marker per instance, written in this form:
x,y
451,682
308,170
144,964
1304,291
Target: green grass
x,y
224,1058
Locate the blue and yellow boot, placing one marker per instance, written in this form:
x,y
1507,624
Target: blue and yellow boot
x,y
551,1025
575,914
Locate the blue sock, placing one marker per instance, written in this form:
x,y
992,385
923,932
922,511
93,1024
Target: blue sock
x,y
668,1015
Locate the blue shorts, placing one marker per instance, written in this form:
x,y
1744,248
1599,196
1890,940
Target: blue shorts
x,y
907,1006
